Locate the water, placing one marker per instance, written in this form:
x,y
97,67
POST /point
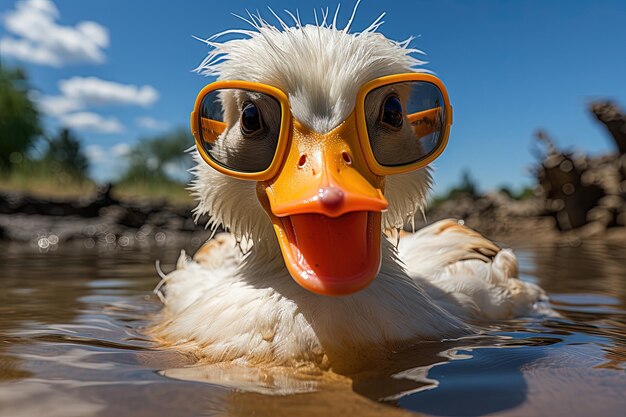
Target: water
x,y
71,344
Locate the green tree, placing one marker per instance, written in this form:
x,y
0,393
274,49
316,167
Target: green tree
x,y
19,119
65,154
522,194
149,159
467,187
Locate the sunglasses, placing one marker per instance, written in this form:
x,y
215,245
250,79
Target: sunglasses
x,y
243,129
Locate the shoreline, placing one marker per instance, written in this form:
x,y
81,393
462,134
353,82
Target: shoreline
x,y
103,222
97,221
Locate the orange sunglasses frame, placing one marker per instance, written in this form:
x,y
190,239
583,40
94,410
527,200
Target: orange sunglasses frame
x,y
286,125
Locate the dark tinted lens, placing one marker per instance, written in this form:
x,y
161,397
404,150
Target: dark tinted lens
x,y
239,128
421,130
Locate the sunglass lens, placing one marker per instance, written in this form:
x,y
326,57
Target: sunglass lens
x,y
239,128
405,122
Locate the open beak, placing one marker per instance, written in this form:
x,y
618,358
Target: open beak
x,y
326,206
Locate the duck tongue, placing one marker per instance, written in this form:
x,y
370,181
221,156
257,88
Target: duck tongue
x,y
332,256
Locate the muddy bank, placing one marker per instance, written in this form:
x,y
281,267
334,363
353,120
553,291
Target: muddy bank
x,y
576,197
104,222
96,221
522,222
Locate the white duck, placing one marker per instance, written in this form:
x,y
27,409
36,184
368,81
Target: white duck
x,y
242,300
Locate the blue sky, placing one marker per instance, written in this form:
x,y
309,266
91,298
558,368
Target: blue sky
x,y
510,67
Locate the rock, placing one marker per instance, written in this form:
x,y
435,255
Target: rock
x,y
133,218
4,205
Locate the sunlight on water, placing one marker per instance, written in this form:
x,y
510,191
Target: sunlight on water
x,y
71,344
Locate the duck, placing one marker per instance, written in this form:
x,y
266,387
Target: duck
x,y
308,166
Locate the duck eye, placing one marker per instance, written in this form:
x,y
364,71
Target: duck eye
x,y
251,121
392,112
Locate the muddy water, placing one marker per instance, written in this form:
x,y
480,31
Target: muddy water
x,y
71,345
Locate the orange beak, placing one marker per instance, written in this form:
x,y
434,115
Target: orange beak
x,y
326,206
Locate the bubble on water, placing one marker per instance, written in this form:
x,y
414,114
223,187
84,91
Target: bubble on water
x,y
160,238
109,238
43,243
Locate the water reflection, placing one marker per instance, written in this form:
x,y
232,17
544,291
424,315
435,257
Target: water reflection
x,y
491,381
71,345
59,329
588,286
589,269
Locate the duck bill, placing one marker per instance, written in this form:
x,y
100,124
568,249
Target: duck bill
x,y
331,256
325,207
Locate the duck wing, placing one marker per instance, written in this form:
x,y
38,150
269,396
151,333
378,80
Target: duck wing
x,y
468,274
215,261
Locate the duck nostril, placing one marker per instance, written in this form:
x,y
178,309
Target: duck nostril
x,y
331,197
302,161
346,157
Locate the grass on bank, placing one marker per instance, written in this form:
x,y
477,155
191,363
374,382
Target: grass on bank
x,y
48,181
45,180
158,190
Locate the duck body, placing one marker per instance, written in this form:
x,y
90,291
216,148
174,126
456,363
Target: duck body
x,y
242,300
227,306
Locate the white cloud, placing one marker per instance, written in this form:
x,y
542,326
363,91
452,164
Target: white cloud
x,y
38,38
91,122
79,93
151,123
58,105
43,6
26,51
176,171
120,150
95,153
107,163
96,91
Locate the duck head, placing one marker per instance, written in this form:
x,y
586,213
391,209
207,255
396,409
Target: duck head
x,y
317,150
